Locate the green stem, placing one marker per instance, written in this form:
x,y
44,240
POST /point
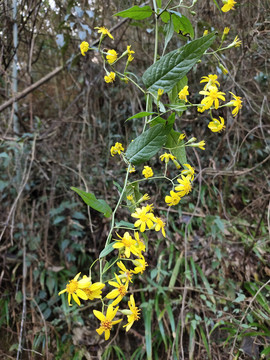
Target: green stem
x,y
113,219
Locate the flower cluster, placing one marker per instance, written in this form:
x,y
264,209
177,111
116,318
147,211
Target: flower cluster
x,y
184,187
211,101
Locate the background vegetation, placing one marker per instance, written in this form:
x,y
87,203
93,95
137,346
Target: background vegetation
x,y
65,129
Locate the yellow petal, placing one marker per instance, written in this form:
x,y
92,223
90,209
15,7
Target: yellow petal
x,y
81,294
76,299
99,315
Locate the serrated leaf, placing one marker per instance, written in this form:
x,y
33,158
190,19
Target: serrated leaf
x,y
141,115
172,67
136,12
97,204
174,145
180,22
145,146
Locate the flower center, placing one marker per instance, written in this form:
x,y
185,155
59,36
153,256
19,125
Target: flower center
x,y
72,286
122,290
106,324
127,241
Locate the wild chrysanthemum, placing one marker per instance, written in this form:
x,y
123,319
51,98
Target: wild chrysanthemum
x,y
110,77
228,5
111,56
189,172
104,31
119,292
106,321
166,157
130,52
132,314
76,289
127,243
144,218
185,186
211,80
236,42
147,172
140,265
183,93
126,274
84,47
139,243
237,102
117,149
173,199
211,97
94,291
160,225
200,145
216,125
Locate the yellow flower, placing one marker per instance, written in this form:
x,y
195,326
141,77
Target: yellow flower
x,y
84,47
133,314
228,5
226,31
189,172
211,80
76,289
147,172
126,242
181,137
223,69
126,274
110,77
94,291
183,93
173,199
237,102
160,225
150,208
140,265
166,157
185,186
205,32
130,52
139,243
104,31
200,145
201,109
160,92
211,97
111,56
216,125
144,218
119,292
116,149
132,169
236,42
106,321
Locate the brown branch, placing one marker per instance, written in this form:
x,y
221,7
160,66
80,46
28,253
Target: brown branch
x,y
31,88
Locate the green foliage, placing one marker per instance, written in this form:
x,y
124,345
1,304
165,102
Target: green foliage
x,y
97,204
146,145
166,72
136,12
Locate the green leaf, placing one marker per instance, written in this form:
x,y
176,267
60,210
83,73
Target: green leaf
x,y
141,114
93,202
136,12
145,146
169,33
107,250
180,22
174,145
167,71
